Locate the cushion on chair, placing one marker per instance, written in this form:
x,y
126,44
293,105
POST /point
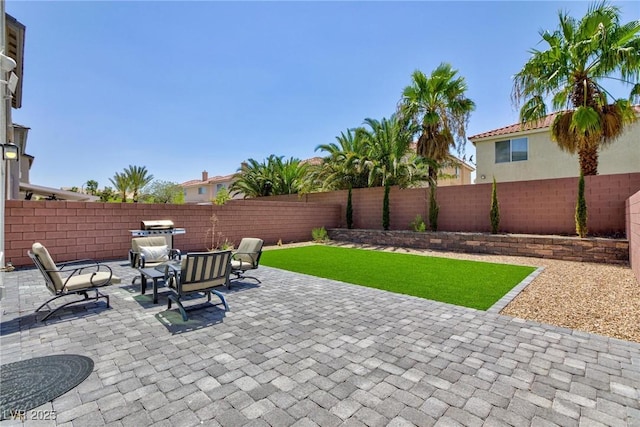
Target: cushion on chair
x,y
82,281
47,262
155,253
137,242
240,265
193,269
248,245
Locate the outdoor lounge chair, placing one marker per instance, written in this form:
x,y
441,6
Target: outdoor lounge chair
x,y
247,257
199,272
150,251
84,275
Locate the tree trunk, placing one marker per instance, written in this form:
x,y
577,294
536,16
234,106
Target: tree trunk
x,y
588,157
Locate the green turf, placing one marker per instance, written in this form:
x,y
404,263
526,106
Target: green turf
x,y
467,283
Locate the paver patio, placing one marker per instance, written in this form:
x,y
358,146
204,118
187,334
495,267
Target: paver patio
x,y
300,350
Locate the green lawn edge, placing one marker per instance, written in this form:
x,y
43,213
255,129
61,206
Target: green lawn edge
x,y
472,284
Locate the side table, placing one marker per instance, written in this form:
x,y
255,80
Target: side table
x,y
153,274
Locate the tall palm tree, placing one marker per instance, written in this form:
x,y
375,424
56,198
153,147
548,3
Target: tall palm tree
x,y
436,108
570,72
121,183
138,177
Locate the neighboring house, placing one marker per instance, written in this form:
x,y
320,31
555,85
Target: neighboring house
x,y
455,172
522,153
206,189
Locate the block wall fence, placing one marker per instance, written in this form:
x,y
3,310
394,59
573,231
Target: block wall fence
x,y
526,207
75,230
633,232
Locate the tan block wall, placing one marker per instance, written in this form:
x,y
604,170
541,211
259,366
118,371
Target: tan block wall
x,y
74,230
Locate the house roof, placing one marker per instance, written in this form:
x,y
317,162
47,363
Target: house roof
x,y
313,161
211,180
543,123
60,194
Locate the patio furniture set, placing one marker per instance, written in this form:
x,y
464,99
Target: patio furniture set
x,y
156,261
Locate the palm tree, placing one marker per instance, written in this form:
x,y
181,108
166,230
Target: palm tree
x,y
436,108
121,183
138,178
274,176
343,166
570,72
251,180
389,160
92,186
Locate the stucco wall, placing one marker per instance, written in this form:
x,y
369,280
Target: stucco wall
x,y
547,161
633,232
73,230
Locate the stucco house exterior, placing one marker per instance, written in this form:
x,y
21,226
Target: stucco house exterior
x,y
205,190
522,153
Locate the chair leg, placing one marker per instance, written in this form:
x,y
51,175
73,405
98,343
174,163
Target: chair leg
x,y
83,293
240,276
219,295
176,299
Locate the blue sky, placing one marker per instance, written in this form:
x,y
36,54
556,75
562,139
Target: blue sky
x,y
182,87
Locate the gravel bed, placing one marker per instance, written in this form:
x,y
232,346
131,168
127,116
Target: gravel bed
x,y
598,298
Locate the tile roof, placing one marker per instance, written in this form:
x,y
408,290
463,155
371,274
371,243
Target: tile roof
x,y
545,122
208,181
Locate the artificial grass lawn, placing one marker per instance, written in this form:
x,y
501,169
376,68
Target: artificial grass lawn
x,y
467,283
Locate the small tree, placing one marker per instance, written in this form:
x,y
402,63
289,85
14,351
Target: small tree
x,y
107,194
222,197
385,207
581,210
494,215
434,209
349,210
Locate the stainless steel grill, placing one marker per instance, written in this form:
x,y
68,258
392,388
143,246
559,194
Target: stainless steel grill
x,y
163,227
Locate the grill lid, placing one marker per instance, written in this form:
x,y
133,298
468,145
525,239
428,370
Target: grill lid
x,y
161,224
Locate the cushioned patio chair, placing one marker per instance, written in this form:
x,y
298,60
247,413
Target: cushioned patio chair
x,y
199,272
71,278
150,251
247,257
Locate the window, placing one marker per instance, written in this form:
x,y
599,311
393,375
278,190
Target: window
x,y
220,187
202,190
512,150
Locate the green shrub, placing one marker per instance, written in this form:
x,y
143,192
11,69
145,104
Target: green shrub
x,y
418,224
222,197
349,210
434,209
581,210
494,215
385,208
319,234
